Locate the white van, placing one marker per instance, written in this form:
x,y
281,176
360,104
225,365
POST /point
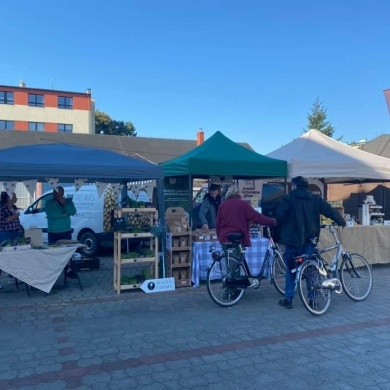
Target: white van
x,y
87,223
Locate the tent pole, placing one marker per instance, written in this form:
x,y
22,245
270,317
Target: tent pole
x,y
190,186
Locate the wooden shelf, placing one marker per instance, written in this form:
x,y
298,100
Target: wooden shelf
x,y
181,265
180,248
129,286
132,214
138,260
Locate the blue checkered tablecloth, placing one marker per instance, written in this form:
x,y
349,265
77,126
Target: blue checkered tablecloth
x,y
39,268
201,257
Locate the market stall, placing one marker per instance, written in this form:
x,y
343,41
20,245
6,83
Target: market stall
x,y
67,163
201,257
219,157
315,155
372,242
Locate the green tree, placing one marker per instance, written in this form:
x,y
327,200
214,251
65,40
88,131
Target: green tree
x,y
104,124
317,119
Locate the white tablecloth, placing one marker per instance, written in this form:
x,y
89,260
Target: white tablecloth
x,y
39,268
201,257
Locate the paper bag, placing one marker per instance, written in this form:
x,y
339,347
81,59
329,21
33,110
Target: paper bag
x,y
35,235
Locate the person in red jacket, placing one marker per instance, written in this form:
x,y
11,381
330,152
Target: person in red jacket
x,y
235,215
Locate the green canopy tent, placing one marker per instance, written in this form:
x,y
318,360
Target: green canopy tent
x,y
220,156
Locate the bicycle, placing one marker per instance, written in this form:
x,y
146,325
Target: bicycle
x,y
228,275
316,279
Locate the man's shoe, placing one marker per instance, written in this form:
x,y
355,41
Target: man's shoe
x,y
286,303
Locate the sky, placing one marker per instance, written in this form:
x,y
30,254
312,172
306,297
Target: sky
x,y
251,69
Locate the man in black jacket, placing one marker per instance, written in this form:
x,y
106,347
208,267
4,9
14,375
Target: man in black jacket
x,y
298,216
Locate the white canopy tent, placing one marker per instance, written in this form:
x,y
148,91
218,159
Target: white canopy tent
x,y
315,155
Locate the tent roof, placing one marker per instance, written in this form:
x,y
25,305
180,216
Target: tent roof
x,y
66,162
379,146
316,155
220,156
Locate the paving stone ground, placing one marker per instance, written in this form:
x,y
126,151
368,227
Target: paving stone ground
x,y
97,339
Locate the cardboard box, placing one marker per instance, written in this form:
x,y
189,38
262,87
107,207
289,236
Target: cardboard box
x,y
86,263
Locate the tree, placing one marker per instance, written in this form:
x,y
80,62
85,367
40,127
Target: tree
x,y
317,119
105,125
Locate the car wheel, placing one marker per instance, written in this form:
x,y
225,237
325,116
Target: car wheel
x,y
91,244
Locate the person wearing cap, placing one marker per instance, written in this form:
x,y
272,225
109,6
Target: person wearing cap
x,y
298,216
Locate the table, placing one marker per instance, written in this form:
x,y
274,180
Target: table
x,y
370,241
201,258
39,268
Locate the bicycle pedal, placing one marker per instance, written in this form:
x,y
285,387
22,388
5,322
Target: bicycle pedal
x,y
333,284
254,283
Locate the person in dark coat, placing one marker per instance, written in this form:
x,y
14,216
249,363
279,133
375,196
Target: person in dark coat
x,y
209,207
299,218
235,215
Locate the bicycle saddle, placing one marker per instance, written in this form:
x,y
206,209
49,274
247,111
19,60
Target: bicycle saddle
x,y
235,238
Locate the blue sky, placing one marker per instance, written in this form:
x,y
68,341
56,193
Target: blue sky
x,y
248,68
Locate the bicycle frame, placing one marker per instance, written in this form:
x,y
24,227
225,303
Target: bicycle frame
x,y
242,259
339,250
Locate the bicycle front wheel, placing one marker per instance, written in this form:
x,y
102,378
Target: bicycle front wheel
x,y
278,272
218,276
315,298
356,276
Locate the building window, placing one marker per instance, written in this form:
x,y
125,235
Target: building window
x,y
63,128
7,125
35,100
65,102
6,97
36,126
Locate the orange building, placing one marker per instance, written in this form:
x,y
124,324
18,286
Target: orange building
x,y
35,109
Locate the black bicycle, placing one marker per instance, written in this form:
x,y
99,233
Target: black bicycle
x,y
228,275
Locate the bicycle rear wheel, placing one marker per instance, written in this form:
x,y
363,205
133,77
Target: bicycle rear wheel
x,y
218,275
315,298
278,272
356,276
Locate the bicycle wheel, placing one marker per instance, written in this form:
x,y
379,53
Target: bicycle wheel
x,y
356,276
218,276
278,275
315,298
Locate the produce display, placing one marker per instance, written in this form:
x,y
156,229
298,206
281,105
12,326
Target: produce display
x,y
17,242
140,253
136,279
108,210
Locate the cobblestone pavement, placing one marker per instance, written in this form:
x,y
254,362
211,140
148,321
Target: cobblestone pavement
x,y
96,339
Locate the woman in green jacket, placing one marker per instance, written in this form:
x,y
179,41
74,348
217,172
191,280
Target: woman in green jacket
x,y
58,212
